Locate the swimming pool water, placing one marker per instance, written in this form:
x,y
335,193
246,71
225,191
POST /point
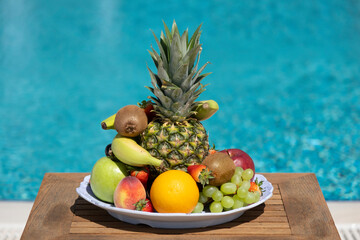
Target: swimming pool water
x,y
286,75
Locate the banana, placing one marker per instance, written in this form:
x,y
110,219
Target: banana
x,y
108,123
129,152
205,109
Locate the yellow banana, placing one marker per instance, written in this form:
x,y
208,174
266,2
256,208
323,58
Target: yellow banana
x,y
129,152
205,109
108,123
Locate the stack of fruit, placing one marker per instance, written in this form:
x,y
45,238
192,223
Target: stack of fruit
x,y
160,159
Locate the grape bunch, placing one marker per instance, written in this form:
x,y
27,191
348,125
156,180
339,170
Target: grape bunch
x,y
235,194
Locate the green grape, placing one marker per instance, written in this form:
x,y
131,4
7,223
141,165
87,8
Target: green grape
x,y
257,196
217,196
247,174
236,197
198,208
236,179
228,188
242,192
216,207
238,170
250,198
227,209
203,198
227,202
208,190
238,203
245,185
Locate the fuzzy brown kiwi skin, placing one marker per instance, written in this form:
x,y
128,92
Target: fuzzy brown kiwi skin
x,y
130,121
221,166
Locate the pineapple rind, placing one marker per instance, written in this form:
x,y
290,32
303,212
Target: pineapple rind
x,y
185,143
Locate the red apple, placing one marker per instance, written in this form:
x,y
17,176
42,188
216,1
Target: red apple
x,y
240,158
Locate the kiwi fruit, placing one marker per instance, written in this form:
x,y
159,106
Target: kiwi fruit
x,y
222,168
130,121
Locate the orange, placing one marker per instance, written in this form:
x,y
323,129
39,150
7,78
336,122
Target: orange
x,y
174,191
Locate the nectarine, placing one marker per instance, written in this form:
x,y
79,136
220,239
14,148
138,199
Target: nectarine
x,y
128,192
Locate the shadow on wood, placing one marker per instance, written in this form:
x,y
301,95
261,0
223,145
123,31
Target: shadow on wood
x,y
89,216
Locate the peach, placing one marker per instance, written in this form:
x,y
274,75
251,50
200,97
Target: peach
x,y
128,192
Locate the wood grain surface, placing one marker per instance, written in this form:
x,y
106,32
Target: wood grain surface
x,y
297,210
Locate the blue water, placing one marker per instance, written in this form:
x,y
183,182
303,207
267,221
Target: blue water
x,y
286,75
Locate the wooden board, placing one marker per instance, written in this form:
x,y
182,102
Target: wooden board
x,y
297,210
260,220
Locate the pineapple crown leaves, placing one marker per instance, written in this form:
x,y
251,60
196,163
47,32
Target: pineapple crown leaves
x,y
176,85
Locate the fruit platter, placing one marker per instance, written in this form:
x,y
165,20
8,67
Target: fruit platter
x,y
159,168
171,220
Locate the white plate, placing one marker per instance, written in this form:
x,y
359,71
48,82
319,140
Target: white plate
x,y
172,220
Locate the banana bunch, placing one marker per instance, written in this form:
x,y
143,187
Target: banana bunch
x,y
128,151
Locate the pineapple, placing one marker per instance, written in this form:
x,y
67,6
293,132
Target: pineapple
x,y
174,135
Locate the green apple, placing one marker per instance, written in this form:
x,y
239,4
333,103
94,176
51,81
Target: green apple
x,y
105,176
